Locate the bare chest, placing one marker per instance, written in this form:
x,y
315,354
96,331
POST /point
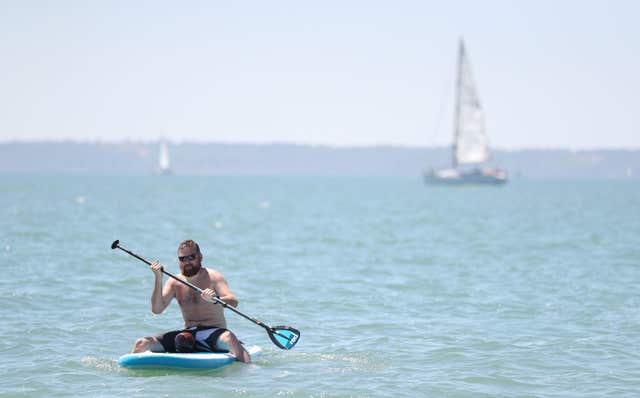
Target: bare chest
x,y
187,297
197,311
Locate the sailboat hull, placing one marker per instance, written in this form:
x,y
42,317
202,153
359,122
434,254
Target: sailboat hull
x,y
477,176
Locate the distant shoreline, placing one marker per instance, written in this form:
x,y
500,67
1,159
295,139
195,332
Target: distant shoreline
x,y
294,144
141,157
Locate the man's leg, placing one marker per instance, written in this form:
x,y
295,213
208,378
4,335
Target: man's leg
x,y
229,341
148,343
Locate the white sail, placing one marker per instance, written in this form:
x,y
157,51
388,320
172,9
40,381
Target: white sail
x,y
471,143
164,166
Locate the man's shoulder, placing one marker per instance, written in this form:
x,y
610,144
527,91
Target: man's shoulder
x,y
214,274
170,282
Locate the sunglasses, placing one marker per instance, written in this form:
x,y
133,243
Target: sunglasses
x,y
188,257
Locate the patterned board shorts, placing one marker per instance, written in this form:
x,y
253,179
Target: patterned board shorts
x,y
206,338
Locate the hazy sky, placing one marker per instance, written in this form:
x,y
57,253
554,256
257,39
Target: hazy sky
x,y
561,74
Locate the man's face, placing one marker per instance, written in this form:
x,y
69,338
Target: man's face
x,y
190,261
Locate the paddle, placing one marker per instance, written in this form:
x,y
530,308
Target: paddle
x,y
284,337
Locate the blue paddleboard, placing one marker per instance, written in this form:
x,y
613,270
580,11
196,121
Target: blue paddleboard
x,y
166,360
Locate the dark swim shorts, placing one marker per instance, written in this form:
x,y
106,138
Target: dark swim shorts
x,y
206,338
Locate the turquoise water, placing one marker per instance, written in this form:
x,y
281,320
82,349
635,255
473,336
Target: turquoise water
x,y
398,289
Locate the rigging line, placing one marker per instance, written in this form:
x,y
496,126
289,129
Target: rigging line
x,y
444,100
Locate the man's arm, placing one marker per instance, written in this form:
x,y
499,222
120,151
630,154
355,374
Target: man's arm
x,y
161,297
220,287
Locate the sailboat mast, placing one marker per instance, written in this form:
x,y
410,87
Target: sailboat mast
x,y
456,122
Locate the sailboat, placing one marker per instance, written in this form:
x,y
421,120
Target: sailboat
x,y
164,166
470,145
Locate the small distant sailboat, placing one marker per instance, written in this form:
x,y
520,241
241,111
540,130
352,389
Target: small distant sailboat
x,y
164,166
471,145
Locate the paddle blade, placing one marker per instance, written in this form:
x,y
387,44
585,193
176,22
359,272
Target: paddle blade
x,y
284,337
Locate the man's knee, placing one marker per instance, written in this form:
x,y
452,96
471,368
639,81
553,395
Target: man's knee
x,y
145,344
229,338
142,344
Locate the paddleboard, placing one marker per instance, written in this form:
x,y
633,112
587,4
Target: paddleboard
x,y
167,360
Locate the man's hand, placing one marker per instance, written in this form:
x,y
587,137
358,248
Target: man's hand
x,y
157,268
208,295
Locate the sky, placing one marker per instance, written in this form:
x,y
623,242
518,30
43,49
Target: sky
x,y
550,74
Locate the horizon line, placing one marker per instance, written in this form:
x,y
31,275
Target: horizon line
x,y
300,144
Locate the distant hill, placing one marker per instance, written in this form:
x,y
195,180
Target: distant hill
x,y
219,158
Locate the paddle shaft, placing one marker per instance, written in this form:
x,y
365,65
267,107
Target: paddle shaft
x,y
197,289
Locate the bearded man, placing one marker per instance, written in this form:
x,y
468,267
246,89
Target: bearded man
x,y
205,327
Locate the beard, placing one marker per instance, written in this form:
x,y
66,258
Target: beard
x,y
191,270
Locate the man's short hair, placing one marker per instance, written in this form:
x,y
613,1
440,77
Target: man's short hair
x,y
189,244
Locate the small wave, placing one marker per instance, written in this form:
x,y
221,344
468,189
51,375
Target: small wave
x,y
100,363
16,294
345,362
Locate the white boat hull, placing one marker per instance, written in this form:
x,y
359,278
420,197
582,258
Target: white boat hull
x,y
484,176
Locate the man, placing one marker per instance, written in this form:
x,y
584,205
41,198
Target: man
x,y
204,321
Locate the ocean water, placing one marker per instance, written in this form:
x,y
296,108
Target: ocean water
x,y
527,290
